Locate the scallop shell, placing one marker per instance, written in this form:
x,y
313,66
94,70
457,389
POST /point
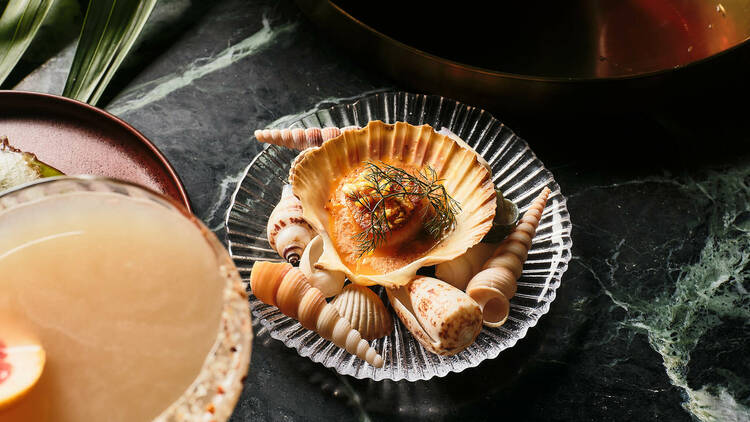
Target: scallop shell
x,y
464,178
330,283
445,131
364,310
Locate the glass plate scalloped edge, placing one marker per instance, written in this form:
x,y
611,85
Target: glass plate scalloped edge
x,y
516,171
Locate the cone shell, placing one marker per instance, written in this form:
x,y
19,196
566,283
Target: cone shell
x,y
364,310
442,318
281,285
330,282
464,178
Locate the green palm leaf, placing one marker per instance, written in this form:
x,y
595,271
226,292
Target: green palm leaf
x,y
19,23
110,29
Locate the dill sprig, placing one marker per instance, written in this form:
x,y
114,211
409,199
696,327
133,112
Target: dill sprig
x,y
382,179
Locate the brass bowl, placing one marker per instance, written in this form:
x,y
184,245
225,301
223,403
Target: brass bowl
x,y
564,55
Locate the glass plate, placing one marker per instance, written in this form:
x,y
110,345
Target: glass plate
x,y
516,171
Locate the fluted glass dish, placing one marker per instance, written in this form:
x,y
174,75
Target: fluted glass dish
x,y
516,171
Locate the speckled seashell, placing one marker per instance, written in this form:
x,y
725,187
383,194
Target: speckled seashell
x,y
288,233
364,310
329,282
494,286
297,138
442,318
464,178
286,287
457,272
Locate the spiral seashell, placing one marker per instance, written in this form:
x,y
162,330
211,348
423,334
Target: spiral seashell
x,y
289,233
464,178
442,318
364,310
494,286
297,138
457,272
286,287
330,282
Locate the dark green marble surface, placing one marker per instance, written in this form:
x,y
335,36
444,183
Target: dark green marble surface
x,y
652,321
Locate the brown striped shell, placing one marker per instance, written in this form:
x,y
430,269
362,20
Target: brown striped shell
x,y
286,287
298,138
288,233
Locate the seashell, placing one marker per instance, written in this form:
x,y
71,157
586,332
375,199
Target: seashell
x,y
297,138
330,283
296,161
286,287
494,286
364,310
442,318
506,217
457,272
464,178
288,233
447,132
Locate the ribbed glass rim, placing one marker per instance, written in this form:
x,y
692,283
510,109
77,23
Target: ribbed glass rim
x,y
516,169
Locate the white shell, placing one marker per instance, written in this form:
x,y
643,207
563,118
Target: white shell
x,y
457,272
328,282
465,179
364,310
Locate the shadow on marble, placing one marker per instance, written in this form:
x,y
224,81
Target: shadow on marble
x,y
170,21
58,32
435,398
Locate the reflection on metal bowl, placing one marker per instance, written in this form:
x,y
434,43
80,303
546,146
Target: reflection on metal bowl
x,y
531,56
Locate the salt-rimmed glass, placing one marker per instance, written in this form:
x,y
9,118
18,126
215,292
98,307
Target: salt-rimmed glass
x,y
516,171
217,387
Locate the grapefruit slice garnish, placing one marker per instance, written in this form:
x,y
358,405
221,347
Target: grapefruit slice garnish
x,y
20,369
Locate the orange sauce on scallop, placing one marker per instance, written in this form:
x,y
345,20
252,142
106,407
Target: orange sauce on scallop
x,y
403,245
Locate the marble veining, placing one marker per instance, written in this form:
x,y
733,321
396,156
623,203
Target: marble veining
x,y
652,321
152,91
699,298
321,104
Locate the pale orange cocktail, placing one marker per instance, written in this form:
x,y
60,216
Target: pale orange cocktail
x,y
136,305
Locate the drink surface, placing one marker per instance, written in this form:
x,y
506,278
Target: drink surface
x,y
124,295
